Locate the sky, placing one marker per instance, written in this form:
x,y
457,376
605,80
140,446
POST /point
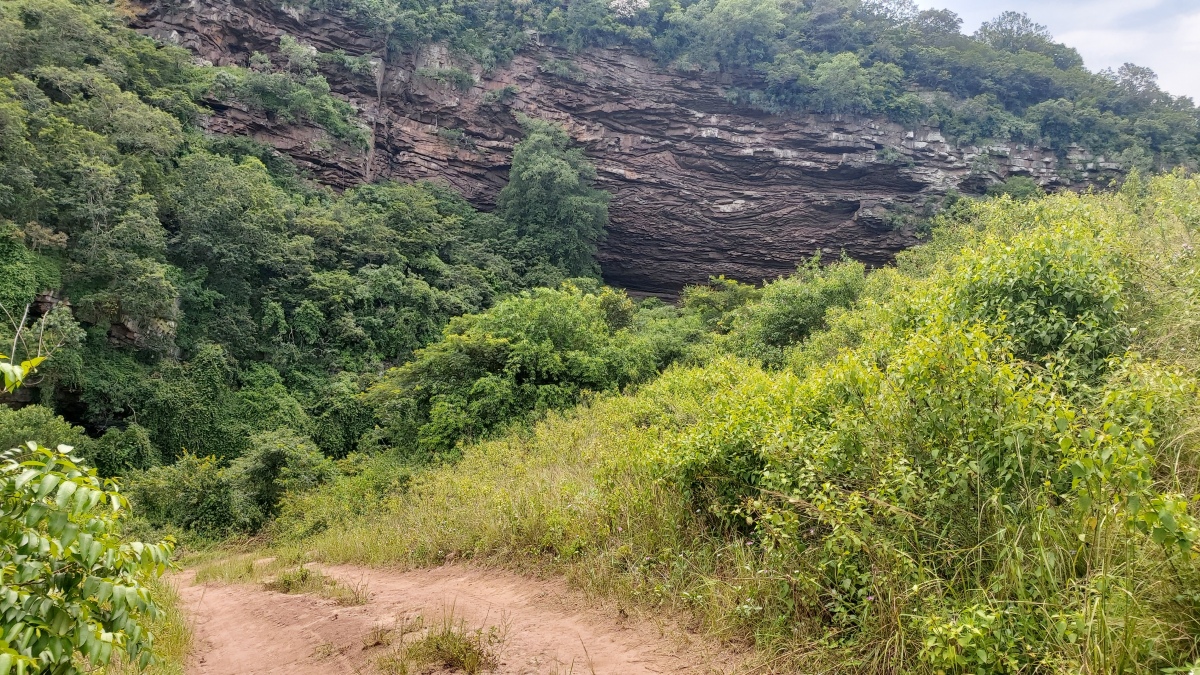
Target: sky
x,y
1163,35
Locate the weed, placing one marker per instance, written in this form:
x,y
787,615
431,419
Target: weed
x,y
306,580
324,651
378,636
244,568
450,645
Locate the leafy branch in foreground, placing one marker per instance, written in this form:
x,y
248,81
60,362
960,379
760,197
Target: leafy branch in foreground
x,y
71,590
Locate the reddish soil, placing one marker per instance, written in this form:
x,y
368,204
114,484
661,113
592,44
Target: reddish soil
x,y
545,628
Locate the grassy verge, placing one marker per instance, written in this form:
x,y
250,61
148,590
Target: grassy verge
x,y
172,635
284,572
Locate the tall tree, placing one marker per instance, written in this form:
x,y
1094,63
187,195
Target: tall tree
x,y
1014,31
550,200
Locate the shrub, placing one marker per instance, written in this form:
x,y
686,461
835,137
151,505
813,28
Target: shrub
x,y
278,462
794,307
199,495
563,68
1059,292
550,200
119,452
360,486
535,352
73,595
718,301
191,494
38,423
1020,188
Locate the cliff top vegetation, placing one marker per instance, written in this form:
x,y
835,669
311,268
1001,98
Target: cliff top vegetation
x,y
1009,81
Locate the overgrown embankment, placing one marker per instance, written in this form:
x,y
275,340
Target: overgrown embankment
x,y
987,463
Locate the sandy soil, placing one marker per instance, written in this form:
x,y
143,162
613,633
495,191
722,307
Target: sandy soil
x,y
546,628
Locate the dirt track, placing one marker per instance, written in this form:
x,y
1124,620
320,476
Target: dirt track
x,y
247,630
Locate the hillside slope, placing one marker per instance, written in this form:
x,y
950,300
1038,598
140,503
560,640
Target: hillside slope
x,y
988,463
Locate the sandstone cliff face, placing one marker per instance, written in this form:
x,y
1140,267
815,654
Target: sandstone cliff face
x,y
700,186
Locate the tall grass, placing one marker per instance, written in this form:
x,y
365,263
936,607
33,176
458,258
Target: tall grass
x,y
988,464
172,635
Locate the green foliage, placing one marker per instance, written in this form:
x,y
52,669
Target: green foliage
x,y
550,200
503,95
1008,81
191,494
983,460
731,33
120,452
452,77
200,495
215,294
35,422
1059,293
534,352
278,462
73,593
718,302
360,486
295,92
792,308
563,68
1020,188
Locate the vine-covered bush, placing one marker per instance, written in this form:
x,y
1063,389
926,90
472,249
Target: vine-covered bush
x,y
792,308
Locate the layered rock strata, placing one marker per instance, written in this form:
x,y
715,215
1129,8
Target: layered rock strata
x,y
700,186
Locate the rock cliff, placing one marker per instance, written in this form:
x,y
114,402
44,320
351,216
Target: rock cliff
x,y
700,186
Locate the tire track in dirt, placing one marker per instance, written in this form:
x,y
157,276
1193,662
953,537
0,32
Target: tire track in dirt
x,y
245,629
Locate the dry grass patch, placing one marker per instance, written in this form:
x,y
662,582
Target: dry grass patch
x,y
307,580
450,644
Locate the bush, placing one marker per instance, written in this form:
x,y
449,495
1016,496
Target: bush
x,y
120,452
38,423
1020,188
794,307
535,352
194,494
278,462
199,495
550,199
360,486
73,595
1059,292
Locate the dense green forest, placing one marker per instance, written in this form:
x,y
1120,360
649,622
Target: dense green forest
x,y
195,290
981,459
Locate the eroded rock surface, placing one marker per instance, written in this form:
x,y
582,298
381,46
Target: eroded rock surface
x,y
700,186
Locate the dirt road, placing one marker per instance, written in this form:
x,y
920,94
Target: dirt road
x,y
540,627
